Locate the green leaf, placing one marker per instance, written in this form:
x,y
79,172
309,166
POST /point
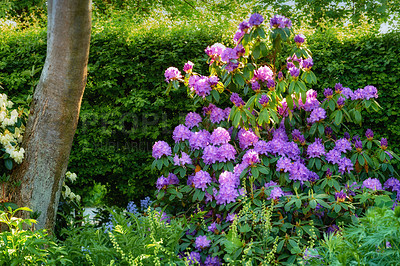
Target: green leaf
x,y
257,52
331,105
8,164
239,80
215,94
289,101
357,116
339,117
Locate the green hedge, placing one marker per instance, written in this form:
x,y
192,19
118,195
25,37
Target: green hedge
x,y
124,110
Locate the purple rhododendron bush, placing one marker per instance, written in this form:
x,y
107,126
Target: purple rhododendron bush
x,y
262,180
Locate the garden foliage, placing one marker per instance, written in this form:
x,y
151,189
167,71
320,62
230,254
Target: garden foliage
x,y
123,114
277,154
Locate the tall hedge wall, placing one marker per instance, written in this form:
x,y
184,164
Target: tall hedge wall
x,y
124,110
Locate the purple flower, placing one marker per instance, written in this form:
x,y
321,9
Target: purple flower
x,y
185,159
202,87
347,92
230,217
358,145
346,135
369,134
172,179
201,179
279,21
244,25
328,93
370,92
213,80
256,19
316,115
220,136
231,66
307,64
263,74
162,182
172,73
388,245
251,157
298,172
299,39
181,133
236,100
192,120
262,147
217,115
345,165
210,154
333,156
333,229
226,152
212,228
294,72
312,177
229,54
372,183
188,67
292,151
270,184
199,139
161,148
343,145
238,35
240,51
255,86
392,184
212,261
271,84
215,50
283,109
284,164
226,195
194,258
247,138
384,143
276,193
338,88
280,76
264,100
316,149
340,102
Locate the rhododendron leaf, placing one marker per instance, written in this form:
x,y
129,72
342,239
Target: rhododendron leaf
x,y
238,79
321,129
263,49
255,172
337,208
261,32
228,81
215,94
357,116
289,101
160,194
313,204
331,105
236,119
338,117
318,163
313,129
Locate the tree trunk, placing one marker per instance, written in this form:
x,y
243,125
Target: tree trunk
x,y
54,110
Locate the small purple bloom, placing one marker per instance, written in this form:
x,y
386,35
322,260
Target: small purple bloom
x,y
238,35
372,183
333,229
192,120
328,132
188,66
316,115
316,149
199,139
244,25
210,154
201,179
220,136
294,72
384,143
212,228
264,100
162,182
247,138
369,134
345,165
343,145
194,258
279,21
256,19
338,88
392,184
333,156
161,148
255,86
236,100
276,193
346,135
181,133
340,102
263,73
229,54
299,39
251,157
172,73
328,93
358,145
307,63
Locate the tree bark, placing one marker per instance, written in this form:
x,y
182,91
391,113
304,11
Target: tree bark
x,y
54,110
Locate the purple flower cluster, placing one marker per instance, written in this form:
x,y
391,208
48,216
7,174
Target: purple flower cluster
x,y
185,159
214,51
201,179
237,100
316,115
202,242
193,258
161,148
340,102
264,100
369,134
345,165
172,73
294,72
299,39
384,143
298,137
163,182
181,133
229,54
201,85
367,93
276,193
212,261
307,64
188,67
228,183
316,149
199,140
311,101
328,93
192,120
263,74
256,19
251,157
343,145
220,136
246,138
372,183
279,21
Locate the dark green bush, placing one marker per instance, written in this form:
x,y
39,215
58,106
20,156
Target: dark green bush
x,y
124,110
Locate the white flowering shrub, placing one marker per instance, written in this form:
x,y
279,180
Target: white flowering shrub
x,y
12,128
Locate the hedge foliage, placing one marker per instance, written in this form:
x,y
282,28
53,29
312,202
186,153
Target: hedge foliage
x,y
124,110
